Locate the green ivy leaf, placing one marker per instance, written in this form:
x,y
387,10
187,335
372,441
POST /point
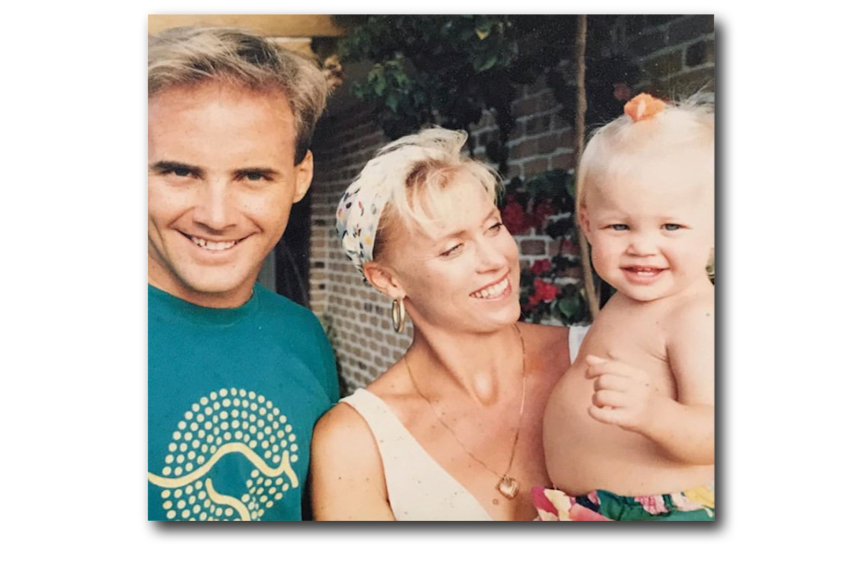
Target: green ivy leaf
x,y
392,101
379,85
487,64
571,308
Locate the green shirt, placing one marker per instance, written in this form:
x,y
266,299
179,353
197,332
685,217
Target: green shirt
x,y
233,397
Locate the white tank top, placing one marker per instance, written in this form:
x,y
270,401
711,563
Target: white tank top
x,y
419,489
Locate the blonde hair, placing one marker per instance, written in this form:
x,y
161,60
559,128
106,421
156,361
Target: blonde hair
x,y
189,56
624,146
413,172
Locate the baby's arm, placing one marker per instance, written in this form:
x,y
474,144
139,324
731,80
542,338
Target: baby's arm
x,y
690,426
685,429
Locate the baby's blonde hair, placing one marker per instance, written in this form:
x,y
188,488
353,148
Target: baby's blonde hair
x,y
624,146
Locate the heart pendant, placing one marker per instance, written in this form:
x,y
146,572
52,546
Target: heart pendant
x,y
508,487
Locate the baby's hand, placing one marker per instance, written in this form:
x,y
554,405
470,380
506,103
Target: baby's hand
x,y
623,394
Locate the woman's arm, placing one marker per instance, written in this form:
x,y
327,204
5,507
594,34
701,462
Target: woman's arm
x,y
346,477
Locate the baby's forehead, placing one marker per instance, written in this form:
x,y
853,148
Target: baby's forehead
x,y
662,195
655,182
673,170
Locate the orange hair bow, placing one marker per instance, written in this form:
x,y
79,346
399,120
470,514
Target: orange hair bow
x,y
643,106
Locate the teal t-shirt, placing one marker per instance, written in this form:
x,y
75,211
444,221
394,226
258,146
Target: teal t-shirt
x,y
233,397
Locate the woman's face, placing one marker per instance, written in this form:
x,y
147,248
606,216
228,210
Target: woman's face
x,y
462,273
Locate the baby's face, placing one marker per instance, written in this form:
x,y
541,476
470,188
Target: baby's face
x,y
651,231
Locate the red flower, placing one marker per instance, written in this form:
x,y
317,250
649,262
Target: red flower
x,y
541,212
541,266
514,218
545,291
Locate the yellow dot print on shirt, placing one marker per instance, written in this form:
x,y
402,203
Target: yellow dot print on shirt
x,y
226,414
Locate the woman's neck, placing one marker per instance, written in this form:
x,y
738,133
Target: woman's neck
x,y
486,367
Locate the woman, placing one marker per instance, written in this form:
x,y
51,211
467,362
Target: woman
x,y
452,431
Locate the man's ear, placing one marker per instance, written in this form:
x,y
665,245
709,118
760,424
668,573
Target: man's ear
x,y
304,174
383,279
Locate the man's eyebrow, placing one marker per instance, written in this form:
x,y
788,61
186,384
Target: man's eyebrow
x,y
266,172
167,166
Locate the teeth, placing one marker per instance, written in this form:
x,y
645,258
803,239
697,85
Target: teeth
x,y
645,271
213,246
492,291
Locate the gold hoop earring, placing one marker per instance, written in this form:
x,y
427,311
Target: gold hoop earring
x,y
398,315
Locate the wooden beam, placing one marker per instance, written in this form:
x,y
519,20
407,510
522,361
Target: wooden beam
x,y
270,25
298,45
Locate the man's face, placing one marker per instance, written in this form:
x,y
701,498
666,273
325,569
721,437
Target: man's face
x,y
221,185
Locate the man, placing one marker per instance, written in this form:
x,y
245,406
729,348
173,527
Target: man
x,y
237,374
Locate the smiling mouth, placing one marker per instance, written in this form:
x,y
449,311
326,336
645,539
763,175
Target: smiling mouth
x,y
644,271
493,291
212,246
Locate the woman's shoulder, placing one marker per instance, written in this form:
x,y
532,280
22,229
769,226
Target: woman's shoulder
x,y
341,425
346,469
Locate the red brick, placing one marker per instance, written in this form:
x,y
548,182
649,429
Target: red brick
x,y
563,161
571,249
548,143
533,247
567,139
547,102
525,107
520,130
525,149
535,166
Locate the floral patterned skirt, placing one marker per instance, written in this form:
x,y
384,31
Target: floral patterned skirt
x,y
695,504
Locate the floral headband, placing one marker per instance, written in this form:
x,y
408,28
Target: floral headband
x,y
359,211
357,220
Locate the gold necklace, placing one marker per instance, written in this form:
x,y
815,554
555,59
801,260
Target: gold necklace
x,y
507,485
